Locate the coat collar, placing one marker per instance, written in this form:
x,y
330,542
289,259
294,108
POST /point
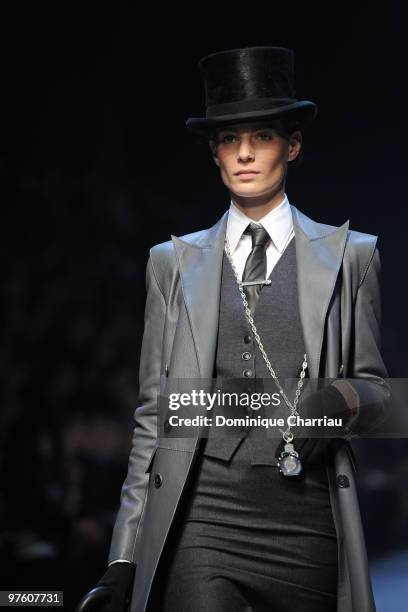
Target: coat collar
x,y
319,253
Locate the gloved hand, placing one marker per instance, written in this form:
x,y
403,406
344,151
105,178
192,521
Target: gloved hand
x,y
328,402
119,578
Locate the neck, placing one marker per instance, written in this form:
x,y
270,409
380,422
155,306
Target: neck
x,y
257,207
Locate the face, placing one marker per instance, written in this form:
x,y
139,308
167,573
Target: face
x,y
253,157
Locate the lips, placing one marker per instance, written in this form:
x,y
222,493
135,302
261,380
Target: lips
x,y
246,175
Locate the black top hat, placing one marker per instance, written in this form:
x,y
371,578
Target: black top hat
x,y
249,84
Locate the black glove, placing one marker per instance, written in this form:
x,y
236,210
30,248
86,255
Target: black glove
x,y
119,578
328,402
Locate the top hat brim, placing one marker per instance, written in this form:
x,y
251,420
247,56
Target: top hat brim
x,y
303,111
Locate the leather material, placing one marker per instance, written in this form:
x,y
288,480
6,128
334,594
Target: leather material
x,y
338,274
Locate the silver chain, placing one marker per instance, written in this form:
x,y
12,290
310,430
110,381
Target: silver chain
x,y
287,434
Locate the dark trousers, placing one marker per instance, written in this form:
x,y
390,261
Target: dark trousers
x,y
248,540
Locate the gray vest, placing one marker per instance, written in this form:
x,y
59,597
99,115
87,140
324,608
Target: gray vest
x,y
238,356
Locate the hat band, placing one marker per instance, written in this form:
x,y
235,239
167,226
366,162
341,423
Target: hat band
x,y
245,106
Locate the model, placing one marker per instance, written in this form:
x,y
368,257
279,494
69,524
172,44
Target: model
x,y
251,522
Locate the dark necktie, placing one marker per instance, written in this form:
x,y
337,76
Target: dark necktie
x,y
255,266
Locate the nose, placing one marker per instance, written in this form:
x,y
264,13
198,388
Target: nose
x,y
245,150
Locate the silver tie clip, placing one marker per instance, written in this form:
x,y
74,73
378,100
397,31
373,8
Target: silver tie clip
x,y
260,282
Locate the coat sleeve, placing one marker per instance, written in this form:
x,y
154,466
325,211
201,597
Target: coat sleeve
x,y
134,490
367,371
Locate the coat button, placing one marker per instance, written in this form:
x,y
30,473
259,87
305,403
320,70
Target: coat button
x,y
247,373
247,339
158,480
246,356
343,481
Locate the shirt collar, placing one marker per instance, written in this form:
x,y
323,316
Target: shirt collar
x,y
277,222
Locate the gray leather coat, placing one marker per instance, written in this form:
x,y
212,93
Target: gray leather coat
x,y
340,309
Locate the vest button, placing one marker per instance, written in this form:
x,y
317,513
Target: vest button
x,y
247,339
245,356
342,481
247,373
158,480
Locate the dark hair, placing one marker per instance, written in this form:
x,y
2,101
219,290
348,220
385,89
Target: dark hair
x,y
284,126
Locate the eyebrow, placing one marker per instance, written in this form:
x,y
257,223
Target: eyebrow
x,y
252,127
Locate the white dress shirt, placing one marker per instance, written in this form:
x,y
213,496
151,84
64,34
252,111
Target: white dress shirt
x,y
277,222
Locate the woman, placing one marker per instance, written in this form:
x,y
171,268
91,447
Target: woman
x,y
250,521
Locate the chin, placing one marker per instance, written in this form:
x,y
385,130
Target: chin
x,y
250,193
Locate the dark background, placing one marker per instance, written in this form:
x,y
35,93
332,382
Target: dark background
x,y
104,170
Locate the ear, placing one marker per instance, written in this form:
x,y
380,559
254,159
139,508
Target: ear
x,y
295,145
213,149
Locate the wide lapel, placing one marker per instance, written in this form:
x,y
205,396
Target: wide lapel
x,y
319,253
199,258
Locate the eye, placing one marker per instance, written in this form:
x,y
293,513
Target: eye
x,y
265,135
227,138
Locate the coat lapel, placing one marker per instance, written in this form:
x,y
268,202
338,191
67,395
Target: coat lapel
x,y
200,264
319,253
